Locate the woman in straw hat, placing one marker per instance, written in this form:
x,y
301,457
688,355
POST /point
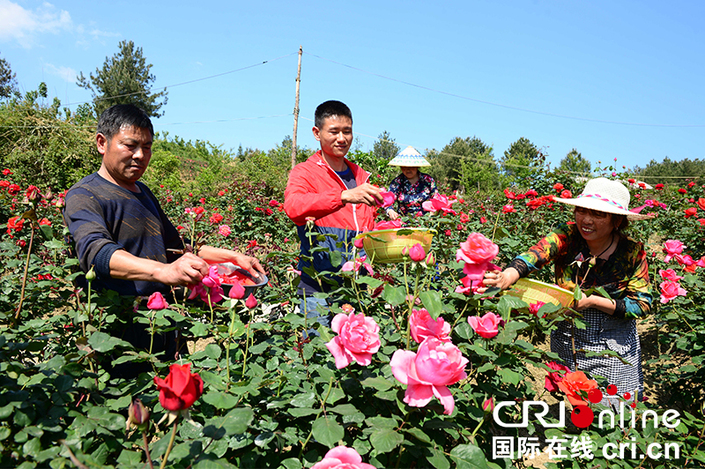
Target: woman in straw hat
x,y
594,252
411,187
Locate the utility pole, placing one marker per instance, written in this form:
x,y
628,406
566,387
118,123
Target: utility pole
x,y
296,112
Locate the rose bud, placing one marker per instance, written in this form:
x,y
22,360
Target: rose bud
x,y
137,413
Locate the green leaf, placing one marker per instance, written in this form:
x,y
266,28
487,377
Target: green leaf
x,y
306,399
237,420
507,303
371,281
418,434
468,457
213,351
336,258
509,376
385,440
327,431
577,294
102,342
220,400
291,463
431,299
302,412
344,409
394,295
438,459
379,383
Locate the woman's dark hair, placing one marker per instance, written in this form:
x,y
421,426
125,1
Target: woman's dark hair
x,y
620,223
123,115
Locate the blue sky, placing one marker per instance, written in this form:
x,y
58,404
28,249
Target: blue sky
x,y
613,79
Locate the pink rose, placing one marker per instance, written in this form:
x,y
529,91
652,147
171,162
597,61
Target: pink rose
x,y
342,457
209,288
237,292
387,225
672,247
423,326
669,274
358,243
438,202
477,249
488,405
355,265
224,230
670,290
388,198
535,307
357,339
552,379
684,260
417,253
251,301
486,326
156,301
429,372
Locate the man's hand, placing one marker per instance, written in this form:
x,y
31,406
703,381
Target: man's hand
x,y
187,269
364,194
251,264
217,255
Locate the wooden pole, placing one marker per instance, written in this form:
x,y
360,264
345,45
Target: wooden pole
x,y
296,112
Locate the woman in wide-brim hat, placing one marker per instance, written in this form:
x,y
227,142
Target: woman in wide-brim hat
x,y
594,252
412,187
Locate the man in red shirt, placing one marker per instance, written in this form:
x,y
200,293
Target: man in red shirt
x,y
329,195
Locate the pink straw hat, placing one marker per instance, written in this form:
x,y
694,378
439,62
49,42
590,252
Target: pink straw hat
x,y
605,195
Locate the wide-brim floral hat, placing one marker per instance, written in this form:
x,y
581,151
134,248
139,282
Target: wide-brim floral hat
x,y
605,195
409,157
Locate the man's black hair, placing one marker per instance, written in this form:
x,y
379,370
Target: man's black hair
x,y
123,115
330,109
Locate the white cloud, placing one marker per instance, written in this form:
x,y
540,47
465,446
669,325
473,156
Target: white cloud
x,y
23,26
65,73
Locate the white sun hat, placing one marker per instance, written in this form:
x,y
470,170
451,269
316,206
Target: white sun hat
x,y
605,195
409,157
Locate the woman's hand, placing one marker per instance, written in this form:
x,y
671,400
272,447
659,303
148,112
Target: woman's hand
x,y
597,302
392,214
501,280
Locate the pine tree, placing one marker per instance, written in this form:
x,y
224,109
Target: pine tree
x,y
124,79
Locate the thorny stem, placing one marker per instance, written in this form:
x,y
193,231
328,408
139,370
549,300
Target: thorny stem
x,y
494,230
323,405
700,440
247,344
26,269
171,445
146,450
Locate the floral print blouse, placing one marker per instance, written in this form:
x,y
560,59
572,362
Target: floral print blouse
x,y
411,196
624,276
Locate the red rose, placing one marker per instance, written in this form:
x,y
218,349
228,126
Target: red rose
x,y
509,194
691,184
566,194
576,386
682,191
180,389
558,187
631,181
32,192
13,189
690,212
658,187
701,203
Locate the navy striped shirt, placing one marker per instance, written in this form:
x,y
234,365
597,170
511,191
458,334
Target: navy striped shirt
x,y
104,217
